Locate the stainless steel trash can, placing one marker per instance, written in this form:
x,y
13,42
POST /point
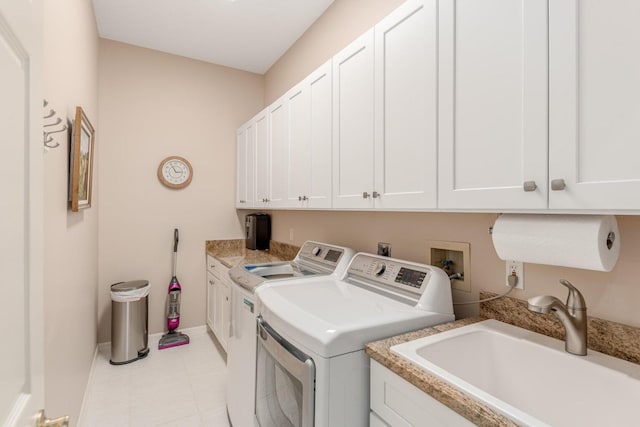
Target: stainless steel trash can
x,y
129,321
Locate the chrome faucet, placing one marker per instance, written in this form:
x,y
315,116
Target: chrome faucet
x,y
573,316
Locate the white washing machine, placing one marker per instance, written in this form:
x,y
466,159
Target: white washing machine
x,y
314,259
311,366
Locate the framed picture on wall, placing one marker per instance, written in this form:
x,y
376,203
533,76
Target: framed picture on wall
x,y
81,162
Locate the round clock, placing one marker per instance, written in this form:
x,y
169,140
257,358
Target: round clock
x,y
175,172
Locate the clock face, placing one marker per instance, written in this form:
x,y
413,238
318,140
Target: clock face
x,y
175,172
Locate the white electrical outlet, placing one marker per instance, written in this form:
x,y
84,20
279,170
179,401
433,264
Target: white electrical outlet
x,y
515,268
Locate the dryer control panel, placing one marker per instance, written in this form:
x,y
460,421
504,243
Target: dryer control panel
x,y
425,286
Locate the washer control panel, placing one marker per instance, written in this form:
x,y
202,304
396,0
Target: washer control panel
x,y
391,273
321,254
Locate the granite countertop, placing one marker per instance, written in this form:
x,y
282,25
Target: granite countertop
x,y
233,252
615,339
463,404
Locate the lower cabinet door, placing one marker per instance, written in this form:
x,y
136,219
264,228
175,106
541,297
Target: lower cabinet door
x,y
399,403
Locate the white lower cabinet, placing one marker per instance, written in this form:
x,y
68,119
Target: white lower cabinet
x,y
396,402
218,300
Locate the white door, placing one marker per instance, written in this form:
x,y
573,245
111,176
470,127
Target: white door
x,y
406,104
309,115
320,86
299,119
211,301
493,104
22,351
279,143
241,167
594,117
262,154
353,119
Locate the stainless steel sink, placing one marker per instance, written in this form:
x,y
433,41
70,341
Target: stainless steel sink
x,y
529,377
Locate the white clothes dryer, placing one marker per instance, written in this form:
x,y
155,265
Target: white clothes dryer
x,y
311,366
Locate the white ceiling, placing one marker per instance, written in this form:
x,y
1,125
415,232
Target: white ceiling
x,y
245,34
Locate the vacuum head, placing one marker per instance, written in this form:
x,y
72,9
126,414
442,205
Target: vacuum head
x,y
173,339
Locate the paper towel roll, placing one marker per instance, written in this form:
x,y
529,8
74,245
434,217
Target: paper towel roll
x,y
580,241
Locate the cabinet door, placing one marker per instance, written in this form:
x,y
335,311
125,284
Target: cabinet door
x,y
299,145
241,168
320,129
309,112
279,144
353,124
248,148
406,103
213,286
225,299
594,117
493,104
262,148
210,299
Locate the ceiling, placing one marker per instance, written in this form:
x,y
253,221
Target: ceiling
x,y
246,34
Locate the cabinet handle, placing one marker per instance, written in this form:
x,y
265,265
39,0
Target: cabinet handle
x,y
376,194
558,185
529,186
304,198
365,195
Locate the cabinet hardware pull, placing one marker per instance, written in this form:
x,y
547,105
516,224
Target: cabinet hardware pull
x,y
558,185
365,195
529,186
376,194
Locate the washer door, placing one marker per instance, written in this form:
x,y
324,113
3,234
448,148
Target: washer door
x,y
285,382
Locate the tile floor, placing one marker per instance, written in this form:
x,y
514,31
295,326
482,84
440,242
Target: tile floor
x,y
182,386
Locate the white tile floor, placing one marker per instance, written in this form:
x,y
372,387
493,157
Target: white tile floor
x,y
182,386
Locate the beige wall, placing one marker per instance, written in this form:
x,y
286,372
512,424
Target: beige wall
x,y
341,23
612,296
71,239
153,105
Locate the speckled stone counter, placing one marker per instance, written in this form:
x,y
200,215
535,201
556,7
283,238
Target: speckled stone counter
x,y
607,337
234,252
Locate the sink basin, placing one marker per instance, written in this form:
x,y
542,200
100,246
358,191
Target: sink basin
x,y
528,377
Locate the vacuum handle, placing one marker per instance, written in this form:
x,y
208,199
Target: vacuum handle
x,y
175,240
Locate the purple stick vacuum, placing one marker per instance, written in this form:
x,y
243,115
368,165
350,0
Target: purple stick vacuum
x,y
173,338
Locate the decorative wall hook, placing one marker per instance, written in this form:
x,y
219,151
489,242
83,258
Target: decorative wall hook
x,y
47,138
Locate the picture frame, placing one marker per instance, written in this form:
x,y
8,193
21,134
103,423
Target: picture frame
x,y
81,162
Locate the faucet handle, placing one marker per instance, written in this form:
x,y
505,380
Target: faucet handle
x,y
575,300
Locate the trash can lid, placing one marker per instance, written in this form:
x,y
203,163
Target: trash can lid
x,y
129,286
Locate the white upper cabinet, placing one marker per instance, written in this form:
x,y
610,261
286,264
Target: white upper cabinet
x,y
262,144
309,121
406,104
493,83
353,117
594,115
279,141
241,168
245,165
